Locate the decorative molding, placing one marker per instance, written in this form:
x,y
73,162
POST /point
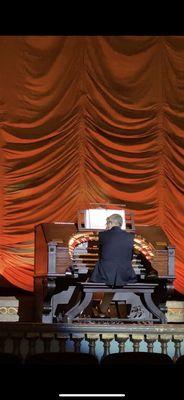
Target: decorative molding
x,y
9,309
175,311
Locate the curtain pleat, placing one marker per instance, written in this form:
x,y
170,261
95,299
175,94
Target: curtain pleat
x,y
89,119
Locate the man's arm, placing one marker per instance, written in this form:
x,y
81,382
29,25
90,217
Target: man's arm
x,y
100,244
132,236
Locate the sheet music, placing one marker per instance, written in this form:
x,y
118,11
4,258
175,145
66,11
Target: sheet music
x,y
96,218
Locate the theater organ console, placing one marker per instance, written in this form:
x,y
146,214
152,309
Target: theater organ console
x,y
65,255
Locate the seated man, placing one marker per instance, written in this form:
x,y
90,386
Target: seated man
x,y
115,258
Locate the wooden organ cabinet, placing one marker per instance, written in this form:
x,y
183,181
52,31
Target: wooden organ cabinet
x,y
66,252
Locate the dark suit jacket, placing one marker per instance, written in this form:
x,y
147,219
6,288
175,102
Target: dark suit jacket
x,y
115,254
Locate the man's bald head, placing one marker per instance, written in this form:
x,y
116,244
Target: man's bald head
x,y
114,220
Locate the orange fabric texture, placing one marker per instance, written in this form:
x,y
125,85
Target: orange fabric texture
x,y
89,119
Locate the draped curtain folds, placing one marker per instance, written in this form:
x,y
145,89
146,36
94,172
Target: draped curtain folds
x,y
89,119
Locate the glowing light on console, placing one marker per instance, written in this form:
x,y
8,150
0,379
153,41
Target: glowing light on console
x,y
140,244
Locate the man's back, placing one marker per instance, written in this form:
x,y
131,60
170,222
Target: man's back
x,y
116,244
115,254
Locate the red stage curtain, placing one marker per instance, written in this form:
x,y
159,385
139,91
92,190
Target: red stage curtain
x,y
89,119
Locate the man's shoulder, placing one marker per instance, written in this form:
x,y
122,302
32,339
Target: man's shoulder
x,y
126,235
129,234
105,234
122,232
102,233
